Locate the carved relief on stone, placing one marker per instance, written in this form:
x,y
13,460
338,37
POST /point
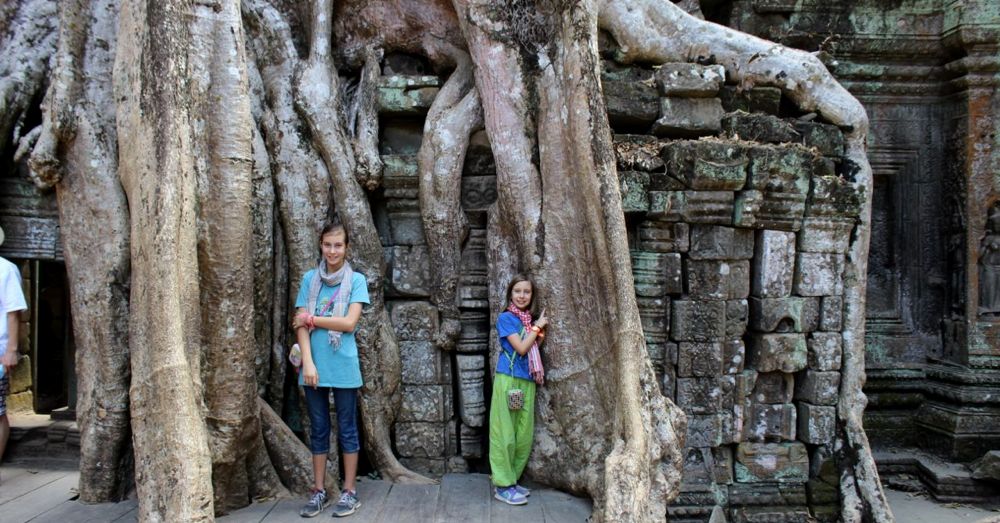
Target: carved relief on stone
x,y
989,265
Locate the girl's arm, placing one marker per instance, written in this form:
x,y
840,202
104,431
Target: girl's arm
x,y
522,345
340,323
309,374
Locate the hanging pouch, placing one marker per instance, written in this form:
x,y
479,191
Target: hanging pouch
x,y
515,397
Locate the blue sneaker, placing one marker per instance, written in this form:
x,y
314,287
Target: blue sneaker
x,y
510,496
347,505
317,502
524,491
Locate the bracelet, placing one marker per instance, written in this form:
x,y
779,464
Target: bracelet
x,y
536,329
311,322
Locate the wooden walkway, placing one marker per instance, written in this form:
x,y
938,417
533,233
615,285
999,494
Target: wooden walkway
x,y
45,491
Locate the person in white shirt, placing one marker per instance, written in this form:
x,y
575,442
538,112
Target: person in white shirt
x,y
11,304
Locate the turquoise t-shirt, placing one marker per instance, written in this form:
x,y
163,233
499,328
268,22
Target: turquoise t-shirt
x,y
340,368
508,324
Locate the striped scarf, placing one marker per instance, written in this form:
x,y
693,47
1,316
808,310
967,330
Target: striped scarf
x,y
340,299
534,356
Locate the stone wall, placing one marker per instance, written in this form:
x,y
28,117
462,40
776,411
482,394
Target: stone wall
x,y
739,224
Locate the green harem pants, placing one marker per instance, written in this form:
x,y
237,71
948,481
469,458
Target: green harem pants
x,y
511,431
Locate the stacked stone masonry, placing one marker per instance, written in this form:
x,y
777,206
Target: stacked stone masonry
x,y
739,228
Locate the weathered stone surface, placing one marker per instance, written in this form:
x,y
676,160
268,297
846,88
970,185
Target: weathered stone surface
x,y
432,467
773,388
634,186
399,171
425,403
475,334
833,196
409,271
780,211
471,389
768,422
758,128
686,117
826,138
698,465
405,226
711,207
756,100
471,441
690,80
987,467
825,351
414,320
473,282
704,430
478,192
773,264
663,236
737,316
420,440
699,396
825,234
630,103
638,152
733,356
710,242
698,320
423,363
791,314
818,388
649,269
767,462
816,424
780,169
718,279
819,274
699,359
784,352
479,159
406,95
707,165
654,314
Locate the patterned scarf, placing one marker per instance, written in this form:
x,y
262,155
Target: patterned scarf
x,y
534,356
343,277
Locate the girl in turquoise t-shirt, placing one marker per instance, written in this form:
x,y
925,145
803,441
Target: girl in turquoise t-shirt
x,y
328,308
519,367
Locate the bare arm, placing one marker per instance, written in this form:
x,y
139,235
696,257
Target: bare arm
x,y
9,359
309,374
345,323
523,345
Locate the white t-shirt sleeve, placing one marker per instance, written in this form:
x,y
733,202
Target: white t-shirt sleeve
x,y
12,299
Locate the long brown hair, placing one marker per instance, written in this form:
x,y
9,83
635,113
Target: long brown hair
x,y
532,305
334,226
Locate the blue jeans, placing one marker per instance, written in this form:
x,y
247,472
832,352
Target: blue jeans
x,y
318,404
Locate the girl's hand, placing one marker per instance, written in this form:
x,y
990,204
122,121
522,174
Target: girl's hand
x,y
542,321
301,320
310,376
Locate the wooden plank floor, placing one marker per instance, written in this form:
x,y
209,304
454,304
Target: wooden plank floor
x,y
45,492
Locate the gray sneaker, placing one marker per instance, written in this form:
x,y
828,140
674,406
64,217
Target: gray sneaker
x,y
317,502
524,491
347,505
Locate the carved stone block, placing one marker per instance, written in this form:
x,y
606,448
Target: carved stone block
x,y
699,359
758,128
711,207
818,388
420,440
707,165
662,236
425,403
471,391
831,313
654,314
833,196
634,187
757,100
638,152
631,103
817,424
773,388
423,363
406,94
478,192
791,314
733,356
473,282
699,395
475,334
825,351
772,352
772,462
688,117
718,279
768,422
737,316
409,271
698,320
819,274
704,430
825,234
773,264
649,269
471,441
780,169
414,320
826,138
690,80
709,242
479,159
781,211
